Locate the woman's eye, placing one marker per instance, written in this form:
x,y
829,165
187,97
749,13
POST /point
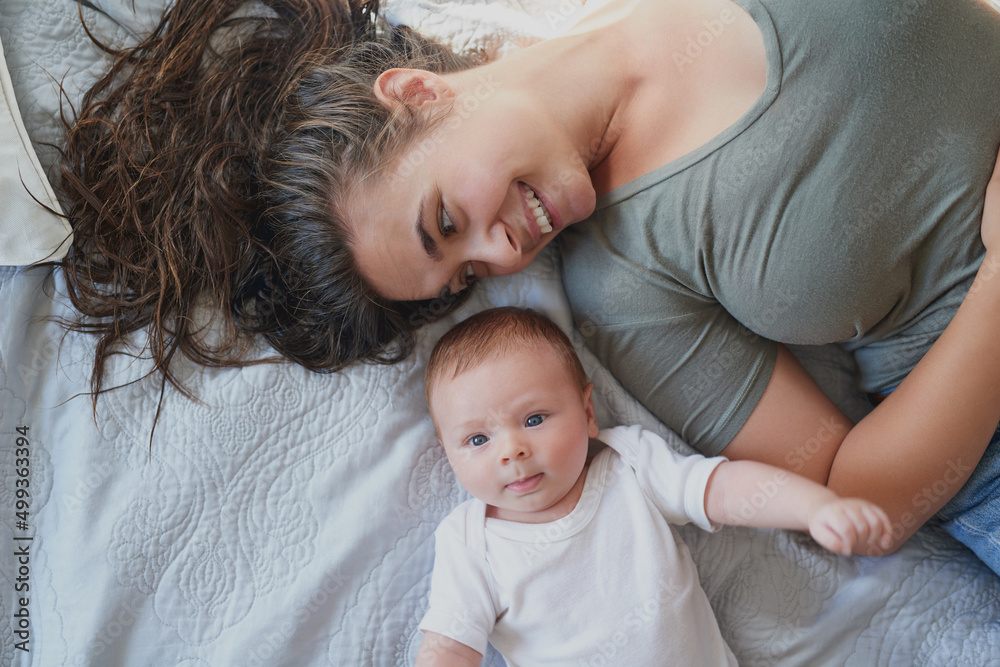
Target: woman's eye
x,y
534,420
445,225
478,440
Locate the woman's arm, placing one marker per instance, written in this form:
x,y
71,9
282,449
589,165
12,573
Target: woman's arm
x,y
917,448
440,651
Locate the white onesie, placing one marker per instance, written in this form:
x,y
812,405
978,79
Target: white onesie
x,y
611,583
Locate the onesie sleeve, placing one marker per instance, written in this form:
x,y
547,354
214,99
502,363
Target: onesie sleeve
x,y
463,602
675,483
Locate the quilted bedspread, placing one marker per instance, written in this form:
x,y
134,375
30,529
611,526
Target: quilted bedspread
x,y
287,518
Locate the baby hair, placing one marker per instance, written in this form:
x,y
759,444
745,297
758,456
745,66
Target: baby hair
x,y
492,334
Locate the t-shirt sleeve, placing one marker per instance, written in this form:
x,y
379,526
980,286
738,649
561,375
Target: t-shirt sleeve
x,y
702,372
683,355
675,483
463,603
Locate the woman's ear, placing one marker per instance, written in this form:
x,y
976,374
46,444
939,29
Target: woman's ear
x,y
414,88
588,406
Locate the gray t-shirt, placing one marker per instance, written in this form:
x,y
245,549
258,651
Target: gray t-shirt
x,y
844,206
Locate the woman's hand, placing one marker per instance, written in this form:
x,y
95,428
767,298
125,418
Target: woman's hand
x,y
844,524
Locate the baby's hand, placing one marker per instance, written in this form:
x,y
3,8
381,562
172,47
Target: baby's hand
x,y
842,524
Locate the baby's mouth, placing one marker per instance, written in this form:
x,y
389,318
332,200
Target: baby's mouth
x,y
525,484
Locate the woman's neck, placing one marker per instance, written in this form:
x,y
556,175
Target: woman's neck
x,y
612,88
658,105
568,80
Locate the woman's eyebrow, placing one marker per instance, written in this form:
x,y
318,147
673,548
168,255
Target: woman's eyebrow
x,y
430,245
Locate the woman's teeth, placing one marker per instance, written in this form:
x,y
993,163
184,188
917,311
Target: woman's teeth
x,y
541,215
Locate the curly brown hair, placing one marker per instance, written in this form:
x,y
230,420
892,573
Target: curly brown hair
x,y
206,169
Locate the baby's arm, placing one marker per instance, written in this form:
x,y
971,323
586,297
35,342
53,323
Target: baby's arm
x,y
461,608
750,493
440,651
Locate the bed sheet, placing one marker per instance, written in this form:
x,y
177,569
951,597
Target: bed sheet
x,y
287,518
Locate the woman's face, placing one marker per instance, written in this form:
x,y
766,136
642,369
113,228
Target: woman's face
x,y
458,206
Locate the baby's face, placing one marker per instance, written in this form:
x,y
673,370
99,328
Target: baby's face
x,y
515,432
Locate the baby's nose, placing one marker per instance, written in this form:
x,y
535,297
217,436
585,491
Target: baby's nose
x,y
513,451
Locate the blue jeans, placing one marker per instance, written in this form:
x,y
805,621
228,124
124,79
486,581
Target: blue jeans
x,y
973,515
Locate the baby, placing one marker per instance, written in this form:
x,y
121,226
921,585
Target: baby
x,y
562,559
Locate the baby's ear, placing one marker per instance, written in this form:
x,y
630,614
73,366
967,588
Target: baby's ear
x,y
414,88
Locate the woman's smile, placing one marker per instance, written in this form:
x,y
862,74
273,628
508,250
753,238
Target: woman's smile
x,y
461,226
537,212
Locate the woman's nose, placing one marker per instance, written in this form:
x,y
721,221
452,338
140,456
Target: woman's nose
x,y
500,249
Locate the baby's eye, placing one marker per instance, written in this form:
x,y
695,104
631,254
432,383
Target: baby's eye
x,y
478,440
445,225
534,420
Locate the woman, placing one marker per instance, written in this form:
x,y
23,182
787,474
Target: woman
x,y
730,152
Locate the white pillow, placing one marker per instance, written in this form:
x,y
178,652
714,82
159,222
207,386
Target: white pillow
x,y
28,232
